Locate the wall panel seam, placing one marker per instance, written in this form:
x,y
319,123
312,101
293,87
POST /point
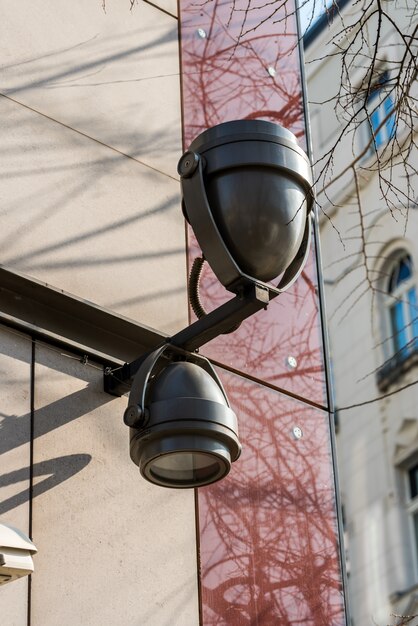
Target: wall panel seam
x,y
32,426
80,132
161,9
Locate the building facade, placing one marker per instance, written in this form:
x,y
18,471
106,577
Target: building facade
x,y
98,102
369,232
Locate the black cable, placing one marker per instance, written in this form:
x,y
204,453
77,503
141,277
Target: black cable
x,y
194,295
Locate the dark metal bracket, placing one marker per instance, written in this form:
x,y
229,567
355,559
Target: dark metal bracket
x,y
136,413
119,381
250,300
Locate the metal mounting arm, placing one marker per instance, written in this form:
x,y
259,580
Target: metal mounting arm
x,y
251,300
225,148
216,322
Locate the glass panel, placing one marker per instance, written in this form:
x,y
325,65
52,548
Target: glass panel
x,y
258,77
268,532
239,64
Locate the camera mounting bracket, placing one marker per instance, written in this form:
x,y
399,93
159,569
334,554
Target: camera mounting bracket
x,y
279,153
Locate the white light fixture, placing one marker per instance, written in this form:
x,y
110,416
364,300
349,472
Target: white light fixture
x,y
16,550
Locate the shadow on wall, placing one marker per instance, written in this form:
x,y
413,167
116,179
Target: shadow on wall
x,y
15,431
56,471
30,260
62,67
89,160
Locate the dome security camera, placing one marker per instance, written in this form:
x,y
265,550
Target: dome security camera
x,y
183,431
247,194
16,550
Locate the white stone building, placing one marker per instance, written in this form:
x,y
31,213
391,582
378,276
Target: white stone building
x,y
370,265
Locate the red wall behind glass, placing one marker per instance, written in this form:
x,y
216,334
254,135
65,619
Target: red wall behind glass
x,y
268,533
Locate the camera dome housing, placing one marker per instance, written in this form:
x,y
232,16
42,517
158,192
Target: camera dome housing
x,y
189,435
257,184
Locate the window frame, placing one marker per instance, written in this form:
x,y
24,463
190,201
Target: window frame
x,y
396,364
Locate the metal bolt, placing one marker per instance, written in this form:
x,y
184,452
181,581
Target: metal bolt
x,y
292,362
297,432
188,164
271,71
133,416
202,33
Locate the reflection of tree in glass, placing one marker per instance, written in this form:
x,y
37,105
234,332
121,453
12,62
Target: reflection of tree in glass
x,y
261,347
231,75
268,532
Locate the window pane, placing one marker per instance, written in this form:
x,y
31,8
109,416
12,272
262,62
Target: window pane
x,y
375,119
380,107
405,270
390,122
400,273
400,338
413,311
415,520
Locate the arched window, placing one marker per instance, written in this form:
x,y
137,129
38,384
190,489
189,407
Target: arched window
x,y
402,303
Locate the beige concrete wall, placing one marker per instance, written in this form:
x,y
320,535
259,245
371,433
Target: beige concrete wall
x,y
90,203
112,549
91,136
